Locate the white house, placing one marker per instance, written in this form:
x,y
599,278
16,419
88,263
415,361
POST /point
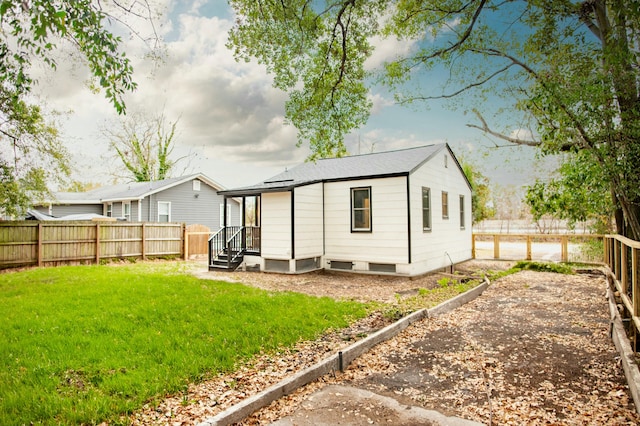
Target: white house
x,y
404,212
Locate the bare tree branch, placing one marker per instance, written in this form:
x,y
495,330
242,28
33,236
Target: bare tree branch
x,y
485,128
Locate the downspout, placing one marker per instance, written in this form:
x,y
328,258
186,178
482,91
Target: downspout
x,y
408,221
293,225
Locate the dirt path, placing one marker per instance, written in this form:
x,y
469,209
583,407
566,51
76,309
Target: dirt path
x,y
533,349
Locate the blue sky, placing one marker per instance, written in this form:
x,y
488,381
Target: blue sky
x,y
230,118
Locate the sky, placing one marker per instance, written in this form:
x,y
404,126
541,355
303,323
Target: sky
x,y
230,120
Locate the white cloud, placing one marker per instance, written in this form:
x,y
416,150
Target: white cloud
x,y
522,134
226,109
388,49
379,102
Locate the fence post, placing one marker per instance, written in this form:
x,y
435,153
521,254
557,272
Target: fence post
x,y
39,236
634,292
564,243
496,246
186,244
183,235
528,247
473,245
624,278
143,250
97,243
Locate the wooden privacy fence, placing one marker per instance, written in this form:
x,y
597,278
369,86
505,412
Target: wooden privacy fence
x,y
621,255
561,247
51,243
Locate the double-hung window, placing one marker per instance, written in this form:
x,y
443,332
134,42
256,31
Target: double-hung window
x,y
164,211
361,209
426,209
445,205
126,210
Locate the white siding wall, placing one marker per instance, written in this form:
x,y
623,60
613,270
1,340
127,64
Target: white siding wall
x,y
387,243
276,225
433,249
308,221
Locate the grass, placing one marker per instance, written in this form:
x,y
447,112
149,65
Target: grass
x,y
93,343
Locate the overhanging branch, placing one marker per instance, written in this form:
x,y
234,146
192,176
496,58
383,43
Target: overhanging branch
x,y
485,128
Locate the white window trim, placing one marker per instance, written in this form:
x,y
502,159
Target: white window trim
x,y
428,190
353,210
462,213
445,212
168,203
124,210
222,214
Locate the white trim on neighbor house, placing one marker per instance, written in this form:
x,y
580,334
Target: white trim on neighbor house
x,y
126,210
163,213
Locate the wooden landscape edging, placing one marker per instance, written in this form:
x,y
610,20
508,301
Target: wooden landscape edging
x,y
336,362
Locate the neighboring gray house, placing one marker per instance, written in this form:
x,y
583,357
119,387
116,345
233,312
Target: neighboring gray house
x,y
404,212
190,199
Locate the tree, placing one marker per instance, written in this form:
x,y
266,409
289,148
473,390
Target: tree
x,y
567,70
480,193
35,32
144,146
578,194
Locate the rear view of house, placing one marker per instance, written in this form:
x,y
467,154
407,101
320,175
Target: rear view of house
x,y
403,212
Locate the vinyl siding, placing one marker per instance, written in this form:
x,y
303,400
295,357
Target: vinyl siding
x,y
445,242
59,210
308,221
185,207
387,242
276,225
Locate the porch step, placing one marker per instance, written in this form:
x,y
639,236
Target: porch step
x,y
222,263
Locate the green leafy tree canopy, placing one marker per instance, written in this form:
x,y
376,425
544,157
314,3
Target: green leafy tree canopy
x,y
34,32
565,70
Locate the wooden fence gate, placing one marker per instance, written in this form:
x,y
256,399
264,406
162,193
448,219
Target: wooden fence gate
x,y
196,240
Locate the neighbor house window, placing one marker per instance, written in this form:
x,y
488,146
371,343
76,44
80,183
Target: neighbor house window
x,y
426,209
222,215
361,209
462,212
445,205
126,211
164,211
109,212
196,185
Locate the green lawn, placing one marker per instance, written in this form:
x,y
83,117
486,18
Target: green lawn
x,y
90,343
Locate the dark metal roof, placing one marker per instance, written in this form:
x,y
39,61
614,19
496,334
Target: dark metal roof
x,y
380,164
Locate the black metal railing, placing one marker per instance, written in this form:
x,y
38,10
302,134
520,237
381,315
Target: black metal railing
x,y
232,242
